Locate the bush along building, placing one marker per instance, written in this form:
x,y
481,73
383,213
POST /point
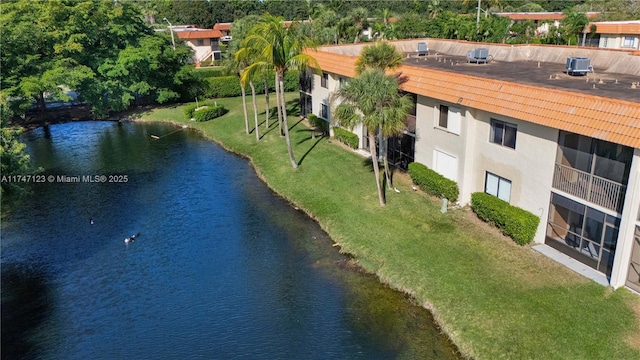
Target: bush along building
x,y
521,127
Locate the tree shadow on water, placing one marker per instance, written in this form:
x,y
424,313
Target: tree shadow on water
x,y
26,300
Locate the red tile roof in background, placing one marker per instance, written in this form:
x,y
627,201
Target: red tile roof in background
x,y
539,15
617,27
199,34
222,26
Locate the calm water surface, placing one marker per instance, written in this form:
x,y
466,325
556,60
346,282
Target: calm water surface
x,y
223,269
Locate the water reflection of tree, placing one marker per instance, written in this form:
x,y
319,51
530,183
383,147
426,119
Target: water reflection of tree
x,y
25,307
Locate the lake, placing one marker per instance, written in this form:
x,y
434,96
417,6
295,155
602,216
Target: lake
x,y
222,269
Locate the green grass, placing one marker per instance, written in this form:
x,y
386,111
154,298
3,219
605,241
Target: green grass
x,y
495,299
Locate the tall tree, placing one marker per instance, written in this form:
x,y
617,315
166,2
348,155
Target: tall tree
x,y
14,161
572,25
281,48
102,49
245,56
381,56
384,56
371,98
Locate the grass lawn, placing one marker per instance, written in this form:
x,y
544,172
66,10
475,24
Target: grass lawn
x,y
495,299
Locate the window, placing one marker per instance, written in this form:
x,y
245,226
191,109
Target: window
x,y
503,133
200,42
343,81
498,187
306,81
305,104
450,119
444,116
324,111
584,233
628,42
325,80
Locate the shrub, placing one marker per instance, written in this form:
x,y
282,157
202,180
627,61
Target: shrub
x,y
346,137
210,113
211,72
188,111
228,86
319,123
223,86
513,221
433,183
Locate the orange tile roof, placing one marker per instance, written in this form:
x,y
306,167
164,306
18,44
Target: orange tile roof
x,y
617,27
199,34
539,15
602,118
222,26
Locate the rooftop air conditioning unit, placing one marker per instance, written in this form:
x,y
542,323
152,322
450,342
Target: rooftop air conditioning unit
x,y
423,50
578,66
480,55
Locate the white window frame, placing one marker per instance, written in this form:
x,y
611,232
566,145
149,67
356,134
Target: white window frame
x,y
454,117
628,42
341,82
324,106
324,80
497,186
505,125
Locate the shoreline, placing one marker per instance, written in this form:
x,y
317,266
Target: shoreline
x,y
489,296
441,325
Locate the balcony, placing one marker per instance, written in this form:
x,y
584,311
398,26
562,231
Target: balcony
x,y
594,189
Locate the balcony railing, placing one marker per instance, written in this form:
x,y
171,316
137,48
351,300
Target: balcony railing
x,y
600,191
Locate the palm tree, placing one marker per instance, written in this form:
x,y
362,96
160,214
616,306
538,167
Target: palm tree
x,y
244,56
372,98
280,49
383,56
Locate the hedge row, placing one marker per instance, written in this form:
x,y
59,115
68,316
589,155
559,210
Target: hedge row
x,y
209,113
513,221
433,183
319,123
346,137
228,86
211,72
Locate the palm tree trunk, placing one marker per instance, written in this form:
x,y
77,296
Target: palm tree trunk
x,y
278,107
244,107
266,97
255,108
285,124
376,169
385,160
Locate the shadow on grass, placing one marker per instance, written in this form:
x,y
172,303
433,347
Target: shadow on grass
x,y
310,149
272,125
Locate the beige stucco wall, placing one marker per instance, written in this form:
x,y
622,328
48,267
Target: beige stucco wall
x,y
529,167
201,52
612,41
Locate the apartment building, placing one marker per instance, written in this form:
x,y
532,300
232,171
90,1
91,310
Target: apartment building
x,y
566,148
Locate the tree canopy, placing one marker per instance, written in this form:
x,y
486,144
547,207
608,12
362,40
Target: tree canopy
x,y
101,49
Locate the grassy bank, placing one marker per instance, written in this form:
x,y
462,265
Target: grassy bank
x,y
495,299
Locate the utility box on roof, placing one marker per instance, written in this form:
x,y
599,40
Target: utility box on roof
x,y
578,66
423,50
478,55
